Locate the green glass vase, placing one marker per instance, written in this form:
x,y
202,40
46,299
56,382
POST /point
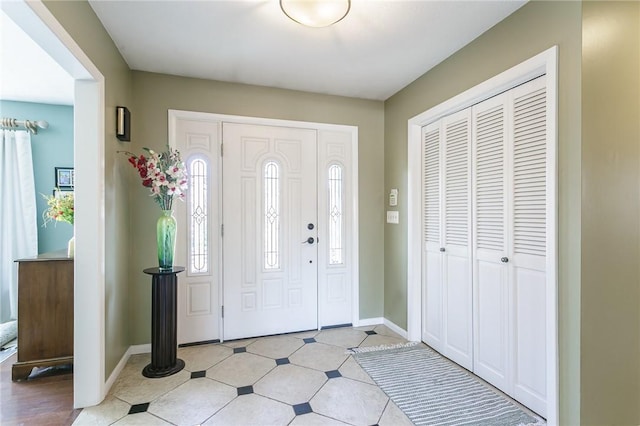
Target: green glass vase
x,y
166,233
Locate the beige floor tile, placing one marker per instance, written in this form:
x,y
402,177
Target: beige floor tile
x,y
238,343
365,327
241,369
253,410
290,384
132,387
141,419
304,334
319,356
109,411
344,337
350,401
313,419
202,357
386,331
275,347
393,416
381,340
352,370
193,402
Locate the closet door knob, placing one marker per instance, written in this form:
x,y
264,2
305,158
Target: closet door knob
x,y
442,249
504,260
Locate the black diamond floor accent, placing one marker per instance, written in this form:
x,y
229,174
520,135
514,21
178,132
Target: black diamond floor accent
x,y
333,374
370,332
282,361
309,340
245,390
139,408
198,374
303,408
239,350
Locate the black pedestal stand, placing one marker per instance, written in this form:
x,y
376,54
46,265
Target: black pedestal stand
x,y
164,346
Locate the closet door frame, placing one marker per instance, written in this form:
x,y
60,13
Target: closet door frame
x,y
545,63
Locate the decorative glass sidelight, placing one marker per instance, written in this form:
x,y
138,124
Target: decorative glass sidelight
x,y
198,216
336,249
271,216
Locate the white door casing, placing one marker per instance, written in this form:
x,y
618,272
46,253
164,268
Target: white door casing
x,y
338,298
270,230
198,236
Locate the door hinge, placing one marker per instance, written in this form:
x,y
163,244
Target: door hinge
x,y
222,230
222,311
221,150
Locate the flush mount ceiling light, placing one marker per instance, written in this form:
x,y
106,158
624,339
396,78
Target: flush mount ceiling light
x,y
316,13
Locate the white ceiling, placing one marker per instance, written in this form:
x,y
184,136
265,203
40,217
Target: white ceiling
x,y
379,48
27,72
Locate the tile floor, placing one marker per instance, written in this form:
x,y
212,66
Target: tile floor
x,y
296,379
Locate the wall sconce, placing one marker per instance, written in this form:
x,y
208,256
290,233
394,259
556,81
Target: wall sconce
x,y
123,124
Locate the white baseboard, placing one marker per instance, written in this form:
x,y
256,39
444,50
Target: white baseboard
x,y
133,350
140,349
395,328
116,371
382,321
369,321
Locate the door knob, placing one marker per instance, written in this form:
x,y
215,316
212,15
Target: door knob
x,y
504,260
442,249
309,240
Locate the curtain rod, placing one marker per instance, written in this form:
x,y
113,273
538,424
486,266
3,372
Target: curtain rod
x,y
31,126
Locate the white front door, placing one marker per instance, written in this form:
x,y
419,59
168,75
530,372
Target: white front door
x,y
270,230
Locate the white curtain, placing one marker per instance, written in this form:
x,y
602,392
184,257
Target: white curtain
x,y
18,221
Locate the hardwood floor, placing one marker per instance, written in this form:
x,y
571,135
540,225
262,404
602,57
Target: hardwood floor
x,y
46,400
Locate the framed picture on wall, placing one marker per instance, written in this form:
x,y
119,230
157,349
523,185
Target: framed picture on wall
x,y
65,178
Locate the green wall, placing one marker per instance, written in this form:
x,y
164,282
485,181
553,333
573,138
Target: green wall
x,y
156,93
610,341
532,29
79,20
50,148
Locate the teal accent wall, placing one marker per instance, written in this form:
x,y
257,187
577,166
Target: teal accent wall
x,y
50,148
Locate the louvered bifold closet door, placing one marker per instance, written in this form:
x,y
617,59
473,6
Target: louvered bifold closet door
x,y
530,171
490,243
456,259
432,292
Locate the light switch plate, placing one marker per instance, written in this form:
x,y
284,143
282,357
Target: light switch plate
x,y
393,216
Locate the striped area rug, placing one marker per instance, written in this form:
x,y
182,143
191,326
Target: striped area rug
x,y
431,390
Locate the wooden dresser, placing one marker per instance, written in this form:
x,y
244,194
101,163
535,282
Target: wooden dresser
x,y
45,312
